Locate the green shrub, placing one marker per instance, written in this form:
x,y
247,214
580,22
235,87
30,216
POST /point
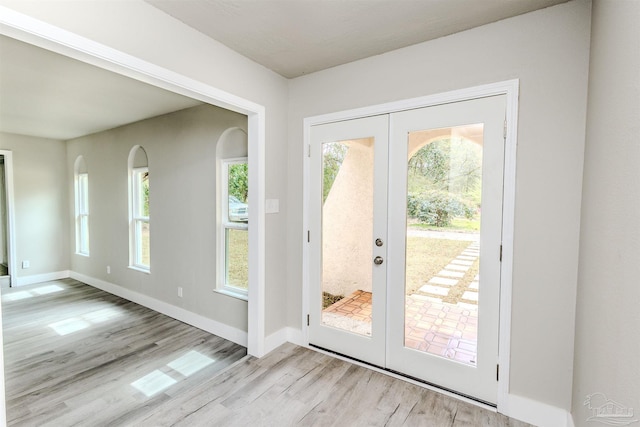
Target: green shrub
x,y
438,208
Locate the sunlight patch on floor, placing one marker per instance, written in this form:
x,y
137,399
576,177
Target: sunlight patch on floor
x,y
190,363
74,324
43,290
153,383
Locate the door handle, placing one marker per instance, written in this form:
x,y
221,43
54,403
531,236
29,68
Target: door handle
x,y
378,260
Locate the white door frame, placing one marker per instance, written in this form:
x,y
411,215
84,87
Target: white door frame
x,y
510,88
27,29
11,219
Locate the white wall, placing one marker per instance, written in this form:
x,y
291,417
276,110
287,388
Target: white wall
x,y
41,203
181,152
139,29
548,51
607,345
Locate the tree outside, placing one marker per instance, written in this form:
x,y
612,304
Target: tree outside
x,y
444,183
239,181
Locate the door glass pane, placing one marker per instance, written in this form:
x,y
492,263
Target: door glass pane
x,y
443,241
347,234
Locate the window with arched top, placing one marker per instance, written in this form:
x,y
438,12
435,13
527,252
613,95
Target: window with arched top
x,y
139,230
233,203
81,190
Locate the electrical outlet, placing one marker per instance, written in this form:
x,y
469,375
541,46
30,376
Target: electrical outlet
x,y
108,269
180,291
26,264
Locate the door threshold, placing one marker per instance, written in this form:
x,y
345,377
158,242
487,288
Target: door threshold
x,y
408,378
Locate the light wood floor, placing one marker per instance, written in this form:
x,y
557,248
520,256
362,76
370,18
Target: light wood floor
x,y
88,376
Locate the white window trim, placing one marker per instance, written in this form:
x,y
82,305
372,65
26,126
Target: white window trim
x,y
82,212
135,221
221,281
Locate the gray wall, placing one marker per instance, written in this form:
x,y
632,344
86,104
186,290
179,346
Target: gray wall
x,y
181,151
548,51
607,345
41,203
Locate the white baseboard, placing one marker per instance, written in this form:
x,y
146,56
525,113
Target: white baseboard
x,y
220,329
281,336
536,413
39,278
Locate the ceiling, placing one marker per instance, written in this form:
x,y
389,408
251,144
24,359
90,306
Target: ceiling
x,y
48,95
297,37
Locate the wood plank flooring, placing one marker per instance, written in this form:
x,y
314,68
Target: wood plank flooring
x,y
86,376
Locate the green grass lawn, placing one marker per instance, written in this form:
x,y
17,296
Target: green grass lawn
x,y
457,224
238,259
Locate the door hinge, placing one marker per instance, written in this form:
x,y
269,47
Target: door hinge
x,y
308,236
308,320
497,372
504,130
309,150
500,253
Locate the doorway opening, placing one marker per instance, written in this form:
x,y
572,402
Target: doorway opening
x,y
7,257
411,203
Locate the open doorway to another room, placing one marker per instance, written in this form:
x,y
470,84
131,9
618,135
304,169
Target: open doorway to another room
x,y
6,200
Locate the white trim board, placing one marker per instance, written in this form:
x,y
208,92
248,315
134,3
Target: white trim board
x,y
282,336
537,413
216,328
47,36
11,217
510,88
39,278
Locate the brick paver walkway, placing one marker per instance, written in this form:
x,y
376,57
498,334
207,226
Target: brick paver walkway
x,y
431,325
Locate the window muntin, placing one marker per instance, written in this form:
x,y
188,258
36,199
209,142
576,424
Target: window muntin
x,y
82,213
139,211
234,250
140,218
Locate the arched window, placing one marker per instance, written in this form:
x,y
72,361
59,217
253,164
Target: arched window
x,y
233,231
139,231
81,187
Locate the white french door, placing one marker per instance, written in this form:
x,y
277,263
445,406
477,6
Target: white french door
x,y
349,178
405,242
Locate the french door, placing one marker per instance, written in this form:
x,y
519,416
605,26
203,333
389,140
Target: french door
x,y
405,242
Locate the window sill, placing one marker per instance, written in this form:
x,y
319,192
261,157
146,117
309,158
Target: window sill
x,y
81,254
235,294
140,269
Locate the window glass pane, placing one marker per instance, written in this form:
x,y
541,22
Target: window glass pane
x,y
84,234
237,262
238,191
144,184
83,197
141,178
143,252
